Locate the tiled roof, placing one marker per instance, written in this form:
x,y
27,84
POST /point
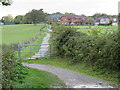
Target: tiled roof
x,y
55,15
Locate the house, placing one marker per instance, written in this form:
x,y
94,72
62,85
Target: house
x,y
106,21
97,22
55,16
103,21
114,21
73,20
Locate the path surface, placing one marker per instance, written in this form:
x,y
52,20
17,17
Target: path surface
x,y
70,78
43,48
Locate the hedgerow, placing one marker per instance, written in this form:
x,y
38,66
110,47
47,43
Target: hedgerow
x,y
98,50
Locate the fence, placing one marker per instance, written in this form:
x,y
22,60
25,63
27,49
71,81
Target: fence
x,y
33,51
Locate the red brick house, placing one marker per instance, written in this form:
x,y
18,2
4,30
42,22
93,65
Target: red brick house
x,y
73,20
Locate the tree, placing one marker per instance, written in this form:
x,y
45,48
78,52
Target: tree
x,y
66,13
91,21
96,15
19,19
57,13
6,2
35,16
7,19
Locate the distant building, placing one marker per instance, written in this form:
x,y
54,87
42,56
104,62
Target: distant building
x,y
55,16
106,21
114,21
1,23
73,20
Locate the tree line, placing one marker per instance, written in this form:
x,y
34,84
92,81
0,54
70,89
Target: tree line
x,y
37,16
32,17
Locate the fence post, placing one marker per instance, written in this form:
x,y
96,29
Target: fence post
x,y
50,50
30,52
19,52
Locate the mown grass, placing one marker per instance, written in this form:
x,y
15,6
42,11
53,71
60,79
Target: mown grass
x,y
108,75
101,29
39,79
19,33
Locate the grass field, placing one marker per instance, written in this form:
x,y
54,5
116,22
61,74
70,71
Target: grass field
x,y
19,33
101,29
81,68
39,79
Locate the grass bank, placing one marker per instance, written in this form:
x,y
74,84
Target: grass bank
x,y
107,75
39,79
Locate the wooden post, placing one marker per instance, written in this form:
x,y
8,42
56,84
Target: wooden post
x,y
30,52
19,52
50,50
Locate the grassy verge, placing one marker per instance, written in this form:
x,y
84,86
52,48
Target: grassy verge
x,y
39,79
81,68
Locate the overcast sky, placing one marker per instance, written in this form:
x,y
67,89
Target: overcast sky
x,y
87,7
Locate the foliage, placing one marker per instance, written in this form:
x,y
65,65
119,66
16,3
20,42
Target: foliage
x,y
18,19
91,21
35,16
12,70
96,15
95,50
6,2
8,18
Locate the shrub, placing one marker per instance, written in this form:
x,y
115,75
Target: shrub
x,y
94,50
12,70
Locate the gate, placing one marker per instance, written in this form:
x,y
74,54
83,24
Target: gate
x,y
33,51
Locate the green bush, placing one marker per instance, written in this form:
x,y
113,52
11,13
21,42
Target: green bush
x,y
94,50
12,70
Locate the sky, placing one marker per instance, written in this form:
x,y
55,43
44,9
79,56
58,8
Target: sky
x,y
86,7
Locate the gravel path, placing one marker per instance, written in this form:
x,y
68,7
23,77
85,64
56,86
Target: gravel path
x,y
43,48
70,78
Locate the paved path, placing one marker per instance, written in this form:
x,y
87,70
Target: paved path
x,y
70,78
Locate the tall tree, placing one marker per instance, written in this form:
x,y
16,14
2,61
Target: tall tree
x,y
18,19
35,16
